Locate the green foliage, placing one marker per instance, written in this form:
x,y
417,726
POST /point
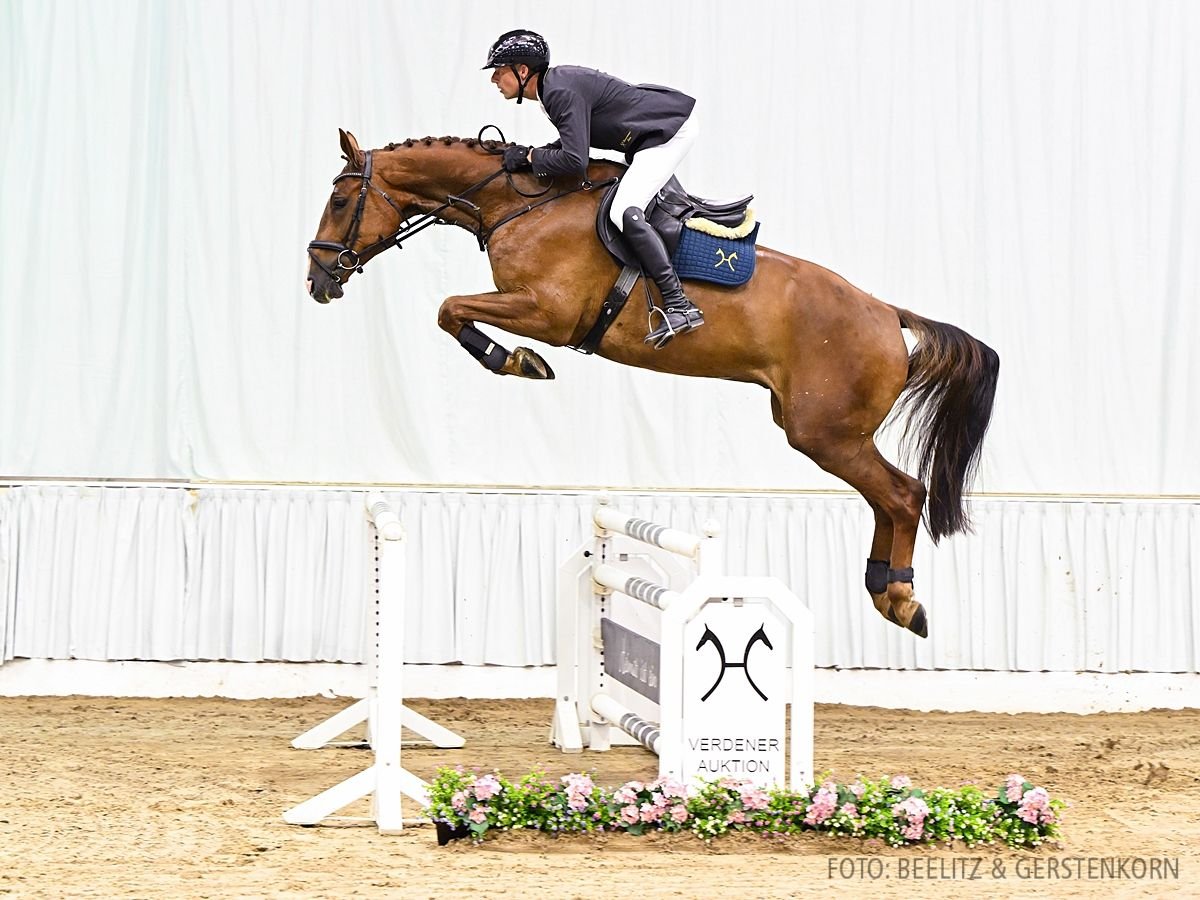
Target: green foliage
x,y
889,809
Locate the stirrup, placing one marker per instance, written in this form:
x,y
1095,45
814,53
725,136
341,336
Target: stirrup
x,y
675,321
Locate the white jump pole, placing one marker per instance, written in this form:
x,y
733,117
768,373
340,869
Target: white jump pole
x,y
386,779
387,526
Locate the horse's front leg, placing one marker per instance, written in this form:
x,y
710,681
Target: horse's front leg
x,y
516,312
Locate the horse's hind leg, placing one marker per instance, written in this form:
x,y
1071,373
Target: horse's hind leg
x,y
879,560
895,498
909,499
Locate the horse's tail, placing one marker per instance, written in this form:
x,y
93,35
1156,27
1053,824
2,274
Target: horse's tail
x,y
948,398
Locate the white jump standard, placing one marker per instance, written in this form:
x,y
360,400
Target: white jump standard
x,y
649,629
383,708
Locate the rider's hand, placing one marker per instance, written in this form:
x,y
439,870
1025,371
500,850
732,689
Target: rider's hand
x,y
516,158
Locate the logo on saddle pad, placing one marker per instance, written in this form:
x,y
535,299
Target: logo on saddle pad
x,y
725,260
709,637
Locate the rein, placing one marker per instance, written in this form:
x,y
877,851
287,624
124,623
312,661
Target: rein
x,y
351,260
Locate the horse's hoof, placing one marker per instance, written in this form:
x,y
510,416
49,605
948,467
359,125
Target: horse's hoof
x,y
918,624
884,606
525,363
911,615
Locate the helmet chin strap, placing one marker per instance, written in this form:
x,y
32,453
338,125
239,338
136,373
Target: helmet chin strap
x,y
521,83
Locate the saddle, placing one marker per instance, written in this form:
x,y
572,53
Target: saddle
x,y
673,213
706,240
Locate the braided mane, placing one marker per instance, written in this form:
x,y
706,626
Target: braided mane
x,y
447,141
489,145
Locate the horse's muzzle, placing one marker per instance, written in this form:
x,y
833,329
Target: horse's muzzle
x,y
324,289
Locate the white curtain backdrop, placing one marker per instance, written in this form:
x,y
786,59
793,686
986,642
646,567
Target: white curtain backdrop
x,y
251,575
1027,170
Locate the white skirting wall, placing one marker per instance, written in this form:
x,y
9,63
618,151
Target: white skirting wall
x,y
252,574
949,691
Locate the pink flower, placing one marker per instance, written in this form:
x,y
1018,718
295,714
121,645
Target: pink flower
x,y
824,802
578,783
914,809
849,809
577,802
671,788
630,814
625,795
478,814
679,813
737,817
1014,787
579,790
486,787
858,789
651,812
753,797
817,814
1035,807
901,781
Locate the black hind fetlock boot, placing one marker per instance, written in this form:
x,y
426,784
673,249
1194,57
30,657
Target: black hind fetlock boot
x,y
678,314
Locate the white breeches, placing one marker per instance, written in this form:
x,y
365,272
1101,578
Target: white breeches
x,y
651,169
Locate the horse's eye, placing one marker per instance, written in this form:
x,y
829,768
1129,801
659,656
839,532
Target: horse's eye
x,y
338,201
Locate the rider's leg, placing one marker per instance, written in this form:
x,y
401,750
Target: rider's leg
x,y
678,314
648,171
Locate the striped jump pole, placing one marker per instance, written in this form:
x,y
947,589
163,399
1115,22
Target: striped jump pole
x,y
643,589
647,532
645,733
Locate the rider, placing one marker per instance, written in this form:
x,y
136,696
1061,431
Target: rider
x,y
654,126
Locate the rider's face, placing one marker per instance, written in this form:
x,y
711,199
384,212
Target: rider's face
x,y
504,78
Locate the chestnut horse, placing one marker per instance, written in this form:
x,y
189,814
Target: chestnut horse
x,y
832,357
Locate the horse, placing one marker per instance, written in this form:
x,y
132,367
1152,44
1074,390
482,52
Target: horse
x,y
833,357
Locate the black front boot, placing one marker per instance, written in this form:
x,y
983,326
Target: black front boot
x,y
679,315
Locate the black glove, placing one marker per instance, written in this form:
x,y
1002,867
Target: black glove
x,y
516,158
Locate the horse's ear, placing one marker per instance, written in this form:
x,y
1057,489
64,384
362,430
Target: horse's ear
x,y
350,148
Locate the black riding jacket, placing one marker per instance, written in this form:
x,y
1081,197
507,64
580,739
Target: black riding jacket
x,y
594,109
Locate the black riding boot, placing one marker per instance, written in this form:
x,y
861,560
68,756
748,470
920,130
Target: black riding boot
x,y
679,315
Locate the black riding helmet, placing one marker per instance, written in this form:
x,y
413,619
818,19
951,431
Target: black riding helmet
x,y
516,47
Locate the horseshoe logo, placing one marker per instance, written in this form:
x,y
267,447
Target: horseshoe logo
x,y
709,637
725,260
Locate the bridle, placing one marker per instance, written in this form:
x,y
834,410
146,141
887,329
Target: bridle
x,y
348,259
351,260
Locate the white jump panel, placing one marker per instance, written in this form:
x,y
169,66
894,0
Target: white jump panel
x,y
656,647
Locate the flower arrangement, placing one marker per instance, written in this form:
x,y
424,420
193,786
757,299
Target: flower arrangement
x,y
466,804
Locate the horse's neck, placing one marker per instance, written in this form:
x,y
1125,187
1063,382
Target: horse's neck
x,y
439,172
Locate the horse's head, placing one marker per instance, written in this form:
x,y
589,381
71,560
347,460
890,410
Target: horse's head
x,y
360,220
